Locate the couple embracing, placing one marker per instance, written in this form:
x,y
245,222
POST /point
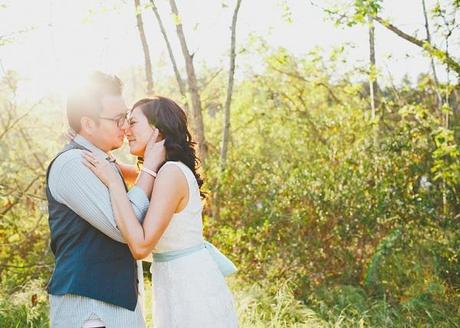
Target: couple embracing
x,y
99,228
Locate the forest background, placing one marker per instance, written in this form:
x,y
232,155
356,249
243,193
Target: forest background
x,y
328,133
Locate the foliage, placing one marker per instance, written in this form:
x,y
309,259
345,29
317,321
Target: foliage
x,y
320,195
27,307
27,140
333,219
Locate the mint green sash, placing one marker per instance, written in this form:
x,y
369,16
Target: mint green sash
x,y
223,263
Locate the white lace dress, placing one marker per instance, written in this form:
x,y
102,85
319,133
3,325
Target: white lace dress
x,y
190,291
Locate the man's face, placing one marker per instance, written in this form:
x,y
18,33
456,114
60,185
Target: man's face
x,y
109,133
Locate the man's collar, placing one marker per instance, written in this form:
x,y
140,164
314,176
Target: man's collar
x,y
82,141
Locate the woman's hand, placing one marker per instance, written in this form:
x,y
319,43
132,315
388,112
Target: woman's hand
x,y
155,152
101,168
68,135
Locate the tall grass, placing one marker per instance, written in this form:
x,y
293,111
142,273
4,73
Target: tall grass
x,y
257,308
268,305
28,307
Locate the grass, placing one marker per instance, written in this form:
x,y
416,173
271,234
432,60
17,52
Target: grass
x,y
257,306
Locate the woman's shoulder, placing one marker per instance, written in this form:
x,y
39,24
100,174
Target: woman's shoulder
x,y
178,164
173,168
171,175
169,166
176,168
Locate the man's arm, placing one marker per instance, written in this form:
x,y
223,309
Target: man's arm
x,y
74,185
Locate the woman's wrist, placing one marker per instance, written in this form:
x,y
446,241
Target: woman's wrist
x,y
115,183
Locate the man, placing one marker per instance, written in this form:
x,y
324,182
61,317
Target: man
x,y
94,283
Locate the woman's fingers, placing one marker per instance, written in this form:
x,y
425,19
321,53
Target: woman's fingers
x,y
100,166
90,159
87,154
70,134
93,160
89,165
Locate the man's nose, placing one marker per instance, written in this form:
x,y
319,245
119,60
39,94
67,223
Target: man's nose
x,y
125,126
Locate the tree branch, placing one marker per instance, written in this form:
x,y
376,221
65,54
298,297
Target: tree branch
x,y
18,198
441,55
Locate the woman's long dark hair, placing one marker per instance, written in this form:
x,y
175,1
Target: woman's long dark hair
x,y
170,119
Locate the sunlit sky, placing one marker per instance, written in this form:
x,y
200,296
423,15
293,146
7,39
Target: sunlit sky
x,y
63,39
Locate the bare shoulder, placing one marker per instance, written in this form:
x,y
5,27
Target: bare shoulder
x,y
170,183
172,175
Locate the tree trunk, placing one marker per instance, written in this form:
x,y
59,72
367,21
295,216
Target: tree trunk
x,y
433,67
192,87
373,87
441,55
180,81
228,100
145,47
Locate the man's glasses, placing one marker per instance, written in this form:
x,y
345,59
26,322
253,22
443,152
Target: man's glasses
x,y
120,119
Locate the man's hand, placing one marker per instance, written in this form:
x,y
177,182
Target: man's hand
x,y
155,152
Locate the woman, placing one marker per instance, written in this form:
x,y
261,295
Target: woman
x,y
189,290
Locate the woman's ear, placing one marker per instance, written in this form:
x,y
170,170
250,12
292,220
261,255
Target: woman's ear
x,y
160,135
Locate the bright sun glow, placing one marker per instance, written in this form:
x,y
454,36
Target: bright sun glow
x,y
66,39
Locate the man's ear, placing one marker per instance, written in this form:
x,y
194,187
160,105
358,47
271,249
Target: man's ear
x,y
87,125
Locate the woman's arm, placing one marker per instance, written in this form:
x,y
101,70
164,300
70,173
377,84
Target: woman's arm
x,y
169,196
171,182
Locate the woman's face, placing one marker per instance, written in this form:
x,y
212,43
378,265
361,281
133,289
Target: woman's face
x,y
138,132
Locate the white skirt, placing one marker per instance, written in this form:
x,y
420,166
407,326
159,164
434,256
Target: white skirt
x,y
191,292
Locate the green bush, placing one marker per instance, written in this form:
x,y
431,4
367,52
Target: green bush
x,y
27,307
